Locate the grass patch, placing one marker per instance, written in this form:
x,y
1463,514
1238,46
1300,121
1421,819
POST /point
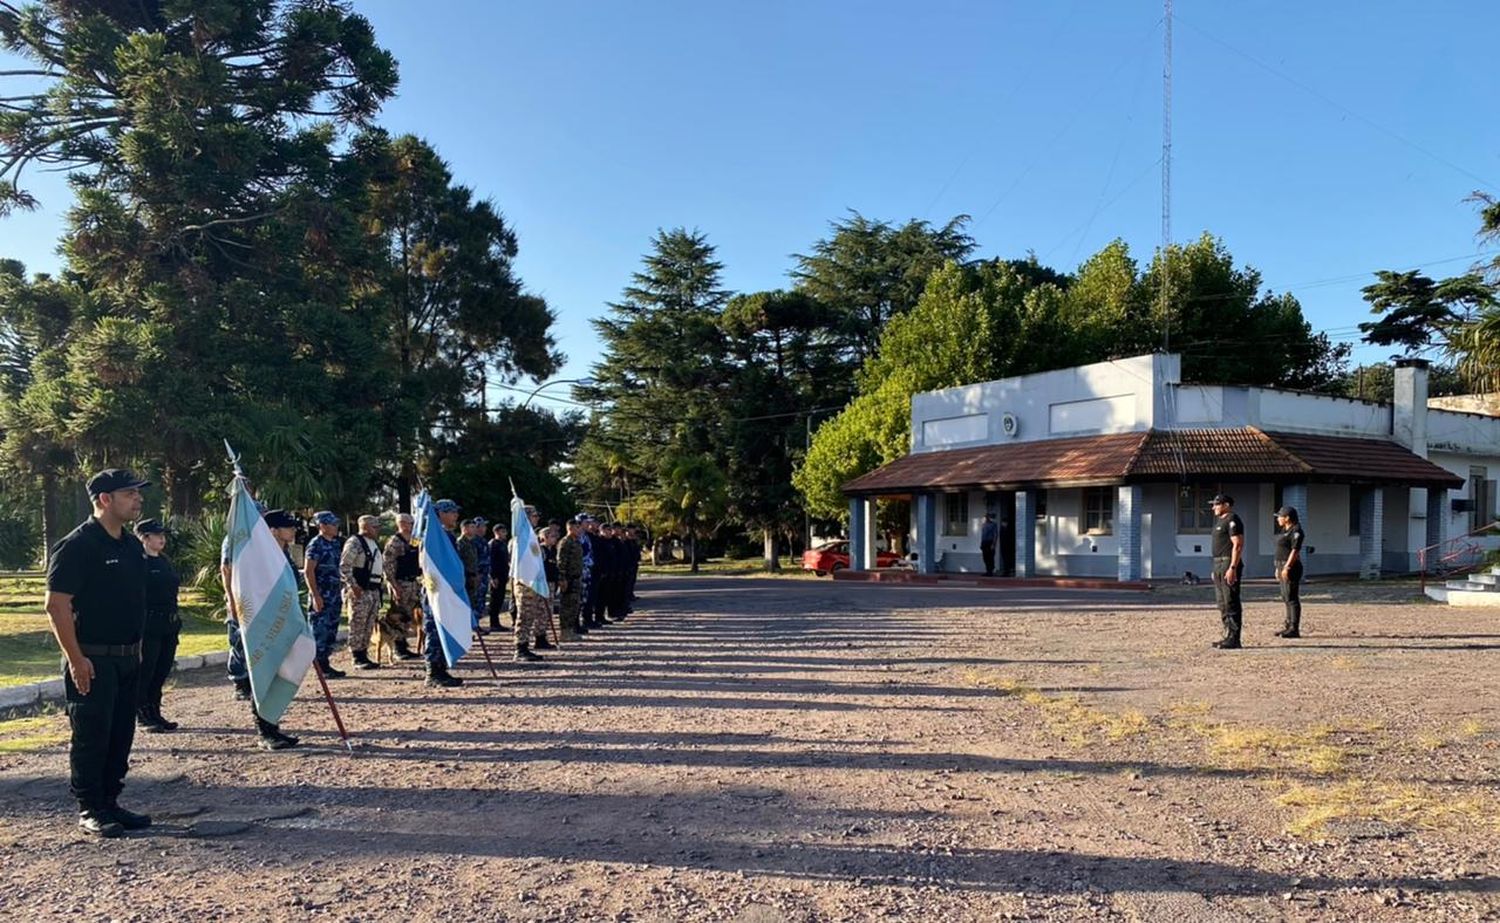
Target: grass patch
x,y
1271,749
1069,715
1404,805
29,653
23,735
729,567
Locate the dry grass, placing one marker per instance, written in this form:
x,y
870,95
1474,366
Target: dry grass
x,y
22,735
1404,805
1068,715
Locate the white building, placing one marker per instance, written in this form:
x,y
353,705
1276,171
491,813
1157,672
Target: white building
x,y
1107,470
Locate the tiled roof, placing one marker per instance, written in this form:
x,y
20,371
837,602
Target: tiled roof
x,y
1158,455
1075,461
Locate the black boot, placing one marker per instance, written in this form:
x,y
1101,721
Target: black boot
x,y
271,737
162,723
99,822
127,819
542,644
439,677
329,672
524,654
362,660
583,628
242,689
403,652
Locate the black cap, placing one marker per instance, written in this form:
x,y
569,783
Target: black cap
x,y
150,527
280,519
112,479
1290,512
1221,498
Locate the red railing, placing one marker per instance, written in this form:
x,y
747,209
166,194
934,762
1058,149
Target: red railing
x,y
1455,555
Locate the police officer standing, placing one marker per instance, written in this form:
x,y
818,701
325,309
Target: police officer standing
x,y
481,542
1289,569
989,533
1228,547
162,629
468,554
324,597
96,600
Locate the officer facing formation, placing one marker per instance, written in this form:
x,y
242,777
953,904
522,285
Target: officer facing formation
x,y
1289,569
96,601
1228,547
402,564
162,629
360,571
325,597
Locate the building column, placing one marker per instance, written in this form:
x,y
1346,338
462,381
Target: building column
x,y
926,534
1371,533
1295,496
1025,529
1128,531
862,533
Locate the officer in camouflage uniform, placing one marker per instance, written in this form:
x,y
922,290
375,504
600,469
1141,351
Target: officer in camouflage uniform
x,y
570,580
325,598
468,553
481,543
360,570
532,610
403,576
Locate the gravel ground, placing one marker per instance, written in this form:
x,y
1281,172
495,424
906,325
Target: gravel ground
x,y
766,750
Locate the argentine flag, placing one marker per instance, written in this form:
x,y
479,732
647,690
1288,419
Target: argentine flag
x,y
443,578
279,644
527,566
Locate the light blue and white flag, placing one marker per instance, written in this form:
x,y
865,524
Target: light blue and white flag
x,y
443,578
526,565
279,644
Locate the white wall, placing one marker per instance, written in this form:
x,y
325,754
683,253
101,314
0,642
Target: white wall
x,y
1125,395
1293,412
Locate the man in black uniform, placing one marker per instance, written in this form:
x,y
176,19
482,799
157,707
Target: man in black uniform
x,y
96,600
1228,548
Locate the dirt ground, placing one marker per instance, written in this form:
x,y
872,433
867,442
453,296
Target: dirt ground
x,y
762,750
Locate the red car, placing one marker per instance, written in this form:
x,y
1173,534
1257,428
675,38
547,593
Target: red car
x,y
835,556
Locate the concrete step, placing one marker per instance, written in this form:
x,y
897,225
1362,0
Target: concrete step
x,y
1476,600
1469,584
1489,577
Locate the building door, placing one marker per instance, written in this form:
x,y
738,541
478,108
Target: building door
x,y
1003,504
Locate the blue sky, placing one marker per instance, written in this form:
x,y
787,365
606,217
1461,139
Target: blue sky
x,y
1320,141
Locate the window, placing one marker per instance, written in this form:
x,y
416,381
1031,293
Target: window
x,y
1356,502
956,514
1041,504
1099,510
1481,496
1193,513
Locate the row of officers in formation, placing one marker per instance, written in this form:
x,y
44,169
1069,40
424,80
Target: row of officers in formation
x,y
112,599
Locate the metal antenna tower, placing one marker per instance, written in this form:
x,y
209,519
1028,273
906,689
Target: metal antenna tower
x,y
1166,179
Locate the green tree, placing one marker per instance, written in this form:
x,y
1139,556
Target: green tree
x,y
1418,313
693,494
458,316
659,382
215,228
783,365
475,463
867,272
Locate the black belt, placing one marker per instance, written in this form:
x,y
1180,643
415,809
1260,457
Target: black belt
x,y
111,650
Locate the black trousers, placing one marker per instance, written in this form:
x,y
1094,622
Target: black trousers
x,y
103,724
158,654
987,551
498,586
1228,596
1291,597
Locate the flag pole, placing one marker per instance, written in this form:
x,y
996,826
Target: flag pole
x,y
328,696
486,650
